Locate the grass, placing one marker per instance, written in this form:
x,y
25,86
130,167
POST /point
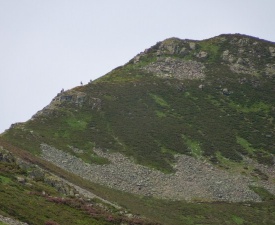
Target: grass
x,y
14,198
150,119
212,49
51,206
77,124
137,106
238,220
246,145
4,180
162,211
256,107
194,146
235,167
160,114
157,113
98,160
160,101
263,193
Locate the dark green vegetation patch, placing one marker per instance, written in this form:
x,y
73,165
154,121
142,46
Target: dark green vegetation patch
x,y
150,119
221,115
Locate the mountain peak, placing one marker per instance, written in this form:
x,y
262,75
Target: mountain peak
x,y
212,100
241,53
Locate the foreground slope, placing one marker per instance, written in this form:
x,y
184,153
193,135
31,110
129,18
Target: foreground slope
x,y
23,182
34,195
190,120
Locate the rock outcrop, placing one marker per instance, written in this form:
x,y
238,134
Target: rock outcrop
x,y
238,64
176,68
72,97
270,70
6,156
10,221
35,173
272,51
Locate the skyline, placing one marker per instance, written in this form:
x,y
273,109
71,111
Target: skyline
x,y
46,46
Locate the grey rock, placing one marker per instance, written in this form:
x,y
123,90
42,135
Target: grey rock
x,y
272,51
170,46
72,97
21,180
226,56
243,42
243,66
137,58
11,221
6,156
183,51
192,45
76,150
37,174
225,91
193,178
270,69
167,67
202,54
240,61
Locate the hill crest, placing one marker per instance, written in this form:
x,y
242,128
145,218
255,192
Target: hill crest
x,y
210,100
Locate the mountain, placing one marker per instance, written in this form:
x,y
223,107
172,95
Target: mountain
x,y
183,126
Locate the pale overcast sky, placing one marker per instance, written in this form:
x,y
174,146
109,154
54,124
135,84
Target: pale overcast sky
x,y
53,44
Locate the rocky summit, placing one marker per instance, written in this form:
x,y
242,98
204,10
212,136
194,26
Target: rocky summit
x,y
185,126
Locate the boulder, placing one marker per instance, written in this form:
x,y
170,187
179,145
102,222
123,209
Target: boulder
x,y
60,185
37,174
270,69
192,45
272,51
21,180
6,156
202,54
225,55
225,91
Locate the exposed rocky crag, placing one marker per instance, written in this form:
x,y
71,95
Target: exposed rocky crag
x,y
74,97
241,58
36,173
32,175
226,80
10,221
175,68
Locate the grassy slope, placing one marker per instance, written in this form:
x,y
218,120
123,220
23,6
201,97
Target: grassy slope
x,y
40,210
162,211
52,206
150,120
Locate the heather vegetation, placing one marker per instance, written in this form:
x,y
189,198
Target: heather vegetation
x,y
144,116
47,206
223,116
45,203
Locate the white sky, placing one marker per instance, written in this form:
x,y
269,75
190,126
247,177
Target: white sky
x,y
53,44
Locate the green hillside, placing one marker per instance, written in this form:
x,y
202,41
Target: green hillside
x,y
151,117
197,115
